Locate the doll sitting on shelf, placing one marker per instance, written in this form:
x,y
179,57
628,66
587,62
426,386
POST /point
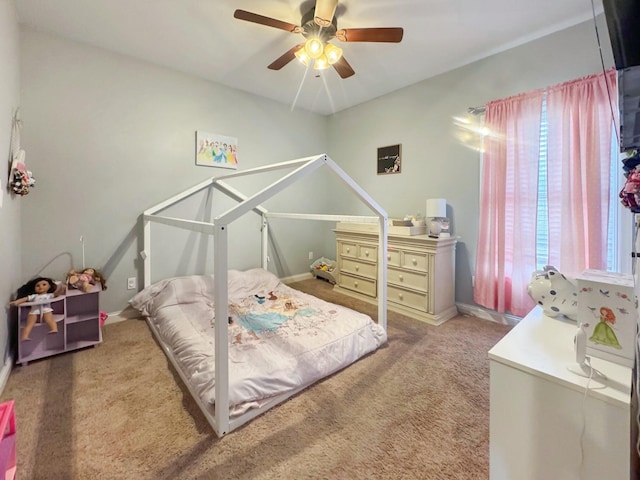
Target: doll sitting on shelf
x,y
39,289
85,279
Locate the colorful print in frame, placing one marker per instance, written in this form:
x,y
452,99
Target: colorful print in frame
x,y
214,150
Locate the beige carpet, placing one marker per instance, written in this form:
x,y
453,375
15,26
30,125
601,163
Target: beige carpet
x,y
416,409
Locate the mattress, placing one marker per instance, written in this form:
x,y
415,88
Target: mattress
x,y
280,339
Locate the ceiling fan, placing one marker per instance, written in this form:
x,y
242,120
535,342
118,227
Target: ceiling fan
x,y
318,26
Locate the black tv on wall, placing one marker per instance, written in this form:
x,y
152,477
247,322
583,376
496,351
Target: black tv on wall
x,y
623,23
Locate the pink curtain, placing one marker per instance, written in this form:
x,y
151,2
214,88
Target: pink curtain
x,y
579,117
579,123
509,189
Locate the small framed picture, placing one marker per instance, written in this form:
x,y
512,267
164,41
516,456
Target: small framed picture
x,y
214,150
389,159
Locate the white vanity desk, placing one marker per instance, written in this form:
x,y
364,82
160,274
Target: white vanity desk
x,y
538,409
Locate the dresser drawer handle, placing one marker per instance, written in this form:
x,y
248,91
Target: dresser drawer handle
x,y
401,277
388,257
357,268
366,253
355,284
414,261
400,296
348,250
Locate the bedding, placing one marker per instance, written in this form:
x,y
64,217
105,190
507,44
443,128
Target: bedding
x,y
280,339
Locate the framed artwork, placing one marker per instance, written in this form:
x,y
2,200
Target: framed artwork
x,y
389,159
214,150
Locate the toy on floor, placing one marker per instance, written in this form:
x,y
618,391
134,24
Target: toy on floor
x,y
39,289
85,279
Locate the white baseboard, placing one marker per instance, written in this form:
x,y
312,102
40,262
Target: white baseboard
x,y
480,312
297,278
122,315
463,308
130,313
116,319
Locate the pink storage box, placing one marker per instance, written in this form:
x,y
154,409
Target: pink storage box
x,y
8,462
607,303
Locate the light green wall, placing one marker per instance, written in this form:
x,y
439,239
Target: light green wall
x,y
108,136
435,163
10,238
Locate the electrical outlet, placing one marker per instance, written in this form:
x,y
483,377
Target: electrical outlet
x,y
131,283
310,255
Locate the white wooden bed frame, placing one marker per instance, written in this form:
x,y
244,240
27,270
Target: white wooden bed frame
x,y
219,420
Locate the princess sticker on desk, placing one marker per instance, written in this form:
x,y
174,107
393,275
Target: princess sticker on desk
x,y
603,333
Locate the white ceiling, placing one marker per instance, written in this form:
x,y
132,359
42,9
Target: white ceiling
x,y
202,38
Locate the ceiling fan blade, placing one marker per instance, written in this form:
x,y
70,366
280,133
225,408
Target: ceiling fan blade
x,y
324,12
343,68
285,58
370,34
269,22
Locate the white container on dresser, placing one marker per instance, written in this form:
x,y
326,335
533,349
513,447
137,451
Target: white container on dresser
x,y
420,271
541,424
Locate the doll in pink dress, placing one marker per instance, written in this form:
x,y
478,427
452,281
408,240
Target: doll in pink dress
x,y
85,279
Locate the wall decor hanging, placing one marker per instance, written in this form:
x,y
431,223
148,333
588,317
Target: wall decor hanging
x,y
20,179
214,150
389,159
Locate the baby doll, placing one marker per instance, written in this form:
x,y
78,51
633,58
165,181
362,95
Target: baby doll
x,y
38,290
85,279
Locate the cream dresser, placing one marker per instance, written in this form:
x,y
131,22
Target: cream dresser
x,y
420,271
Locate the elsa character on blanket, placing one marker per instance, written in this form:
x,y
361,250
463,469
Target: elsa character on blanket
x,y
264,314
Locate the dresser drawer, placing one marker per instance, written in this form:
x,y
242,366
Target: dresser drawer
x,y
361,285
415,261
360,268
409,279
393,258
368,252
407,298
348,249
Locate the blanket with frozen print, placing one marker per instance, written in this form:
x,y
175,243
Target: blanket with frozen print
x,y
280,339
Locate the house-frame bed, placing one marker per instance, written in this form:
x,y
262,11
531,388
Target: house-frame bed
x,y
220,419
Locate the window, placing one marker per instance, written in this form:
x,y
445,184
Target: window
x,y
549,190
619,229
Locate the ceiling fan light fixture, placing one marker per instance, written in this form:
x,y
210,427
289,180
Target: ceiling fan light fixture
x,y
324,11
314,47
319,25
332,52
321,63
302,56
